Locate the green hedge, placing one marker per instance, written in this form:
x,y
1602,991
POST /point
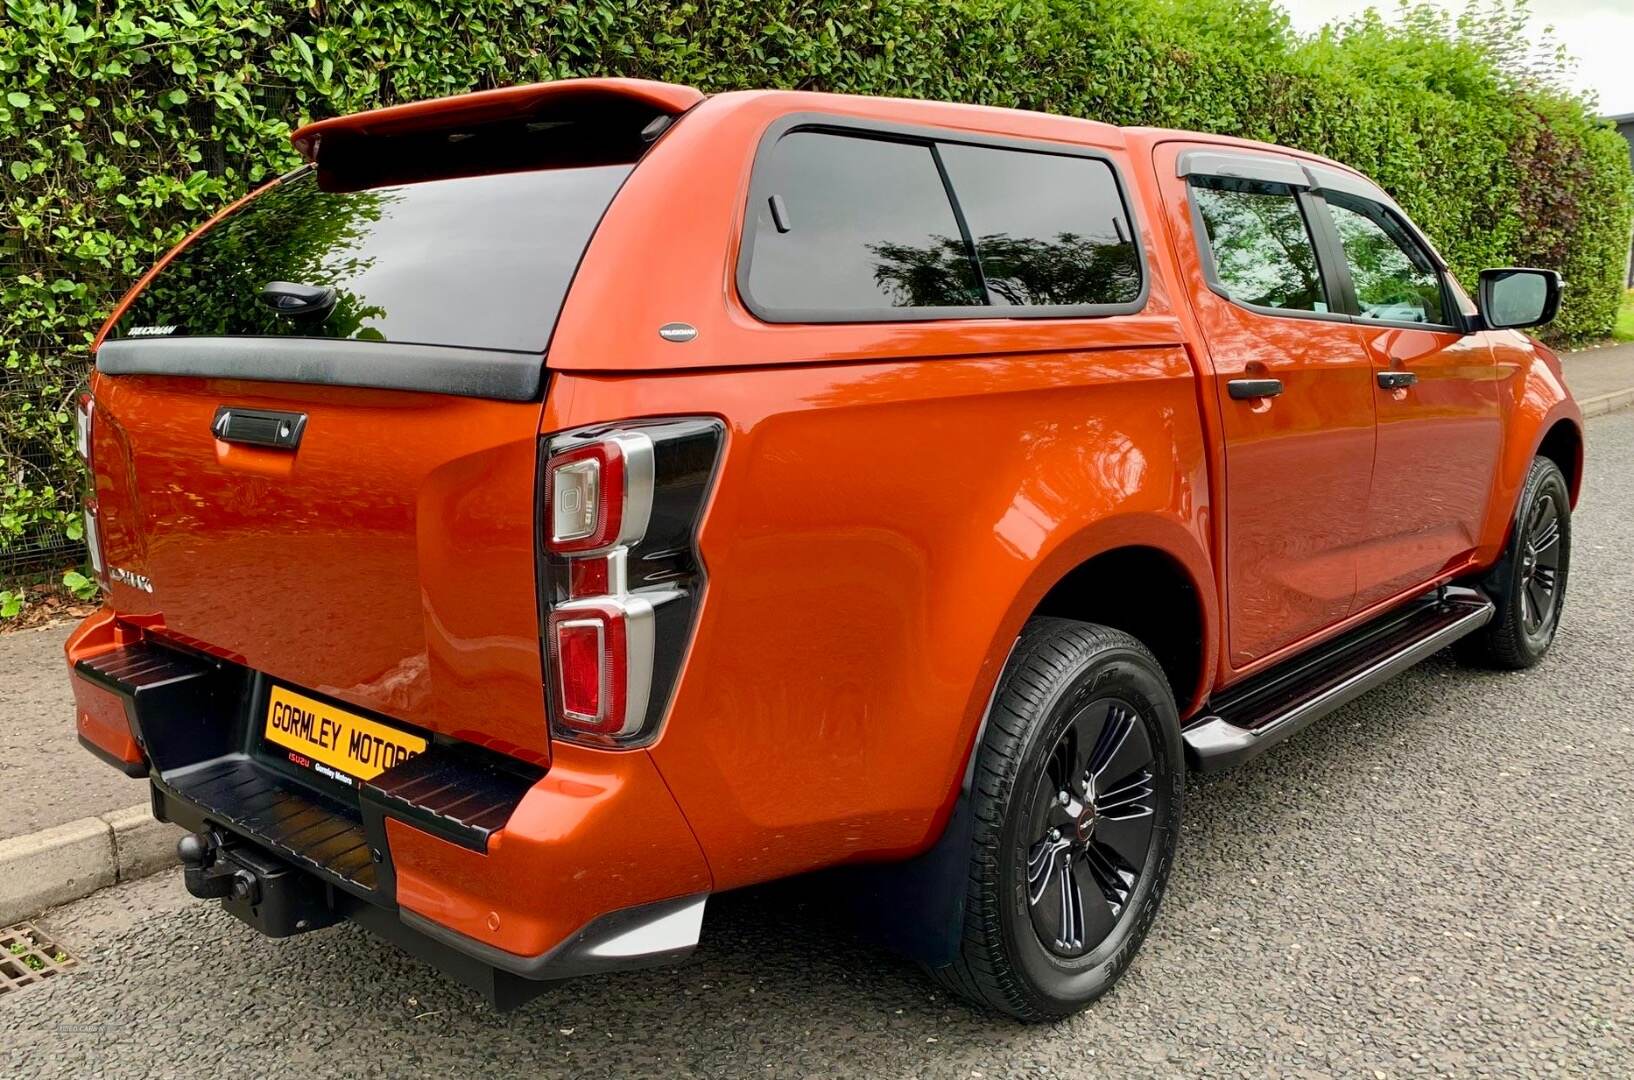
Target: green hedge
x,y
123,122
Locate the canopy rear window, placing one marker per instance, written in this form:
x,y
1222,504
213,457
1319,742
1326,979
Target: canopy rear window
x,y
478,261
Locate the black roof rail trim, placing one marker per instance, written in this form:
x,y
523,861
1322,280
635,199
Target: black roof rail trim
x,y
381,365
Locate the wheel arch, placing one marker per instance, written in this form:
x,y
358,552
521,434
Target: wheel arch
x,y
1147,593
1562,443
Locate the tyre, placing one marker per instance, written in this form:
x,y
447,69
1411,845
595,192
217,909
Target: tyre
x,y
1077,812
1528,586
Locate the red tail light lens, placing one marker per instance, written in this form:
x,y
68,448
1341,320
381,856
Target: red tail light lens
x,y
592,667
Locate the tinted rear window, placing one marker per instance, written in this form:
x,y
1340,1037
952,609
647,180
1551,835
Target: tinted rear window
x,y
854,227
1050,229
866,225
478,261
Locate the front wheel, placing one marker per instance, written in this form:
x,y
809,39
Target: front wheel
x,y
1077,808
1528,585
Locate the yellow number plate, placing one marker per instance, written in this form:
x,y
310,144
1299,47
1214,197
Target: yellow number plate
x,y
327,739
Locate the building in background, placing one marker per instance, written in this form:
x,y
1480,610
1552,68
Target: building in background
x,y
1625,128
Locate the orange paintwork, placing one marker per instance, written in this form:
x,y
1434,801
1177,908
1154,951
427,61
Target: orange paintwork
x,y
893,501
510,102
598,833
99,714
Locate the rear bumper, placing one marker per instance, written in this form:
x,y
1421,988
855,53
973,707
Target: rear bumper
x,y
499,873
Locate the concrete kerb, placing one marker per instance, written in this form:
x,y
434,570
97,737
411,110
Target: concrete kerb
x,y
70,861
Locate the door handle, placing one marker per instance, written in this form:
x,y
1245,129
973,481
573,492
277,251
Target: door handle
x,y
1249,389
1397,380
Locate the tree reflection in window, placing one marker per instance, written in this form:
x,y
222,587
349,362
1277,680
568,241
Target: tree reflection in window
x,y
1394,279
1069,269
1263,254
292,232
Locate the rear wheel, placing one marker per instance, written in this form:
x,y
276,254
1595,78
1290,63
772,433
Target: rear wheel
x,y
1077,807
1529,584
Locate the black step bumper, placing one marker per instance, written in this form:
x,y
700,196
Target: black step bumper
x,y
194,717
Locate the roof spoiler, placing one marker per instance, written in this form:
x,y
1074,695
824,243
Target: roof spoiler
x,y
513,103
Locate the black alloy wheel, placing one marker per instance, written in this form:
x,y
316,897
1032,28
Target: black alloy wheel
x,y
1075,805
1092,827
1540,564
1528,586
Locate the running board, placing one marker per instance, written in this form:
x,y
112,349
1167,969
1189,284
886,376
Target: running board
x,y
1251,718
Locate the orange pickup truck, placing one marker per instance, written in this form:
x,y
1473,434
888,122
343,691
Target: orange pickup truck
x,y
552,506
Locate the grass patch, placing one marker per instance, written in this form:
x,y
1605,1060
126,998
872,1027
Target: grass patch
x,y
1623,328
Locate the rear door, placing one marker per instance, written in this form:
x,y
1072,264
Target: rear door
x,y
1440,429
1294,384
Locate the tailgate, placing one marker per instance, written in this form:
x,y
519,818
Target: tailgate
x,y
386,561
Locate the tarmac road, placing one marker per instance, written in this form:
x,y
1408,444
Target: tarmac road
x,y
1438,879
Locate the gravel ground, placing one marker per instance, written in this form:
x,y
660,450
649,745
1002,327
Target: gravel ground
x,y
46,777
1434,880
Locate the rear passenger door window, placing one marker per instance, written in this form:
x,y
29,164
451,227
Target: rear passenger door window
x,y
1395,280
1260,244
885,226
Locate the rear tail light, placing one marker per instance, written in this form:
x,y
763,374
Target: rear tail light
x,y
600,494
84,413
82,428
620,572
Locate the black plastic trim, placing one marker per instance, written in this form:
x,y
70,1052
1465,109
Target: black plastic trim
x,y
379,365
457,793
1247,719
259,427
134,769
928,136
576,956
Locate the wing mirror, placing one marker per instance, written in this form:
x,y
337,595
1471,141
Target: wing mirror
x,y
1515,297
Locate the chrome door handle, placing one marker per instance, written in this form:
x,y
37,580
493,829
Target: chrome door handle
x,y
1249,389
1397,380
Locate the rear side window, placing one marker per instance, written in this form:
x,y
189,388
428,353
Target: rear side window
x,y
1049,229
860,227
481,261
1395,280
1261,248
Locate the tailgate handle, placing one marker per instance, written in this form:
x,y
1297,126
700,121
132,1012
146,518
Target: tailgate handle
x,y
259,427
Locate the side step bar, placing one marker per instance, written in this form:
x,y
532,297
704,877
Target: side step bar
x,y
1251,718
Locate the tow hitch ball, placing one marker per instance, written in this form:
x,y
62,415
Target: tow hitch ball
x,y
211,877
254,885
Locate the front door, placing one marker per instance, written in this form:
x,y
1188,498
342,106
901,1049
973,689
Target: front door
x,y
1440,429
1295,385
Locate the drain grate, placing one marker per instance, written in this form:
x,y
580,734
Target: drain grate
x,y
28,957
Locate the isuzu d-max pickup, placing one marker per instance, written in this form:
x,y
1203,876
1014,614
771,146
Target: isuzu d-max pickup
x,y
552,506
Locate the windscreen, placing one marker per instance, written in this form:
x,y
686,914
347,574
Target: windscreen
x,y
477,261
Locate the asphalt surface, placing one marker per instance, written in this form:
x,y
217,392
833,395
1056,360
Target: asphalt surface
x,y
1437,879
46,777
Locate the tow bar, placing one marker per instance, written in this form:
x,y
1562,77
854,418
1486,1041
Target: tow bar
x,y
268,894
